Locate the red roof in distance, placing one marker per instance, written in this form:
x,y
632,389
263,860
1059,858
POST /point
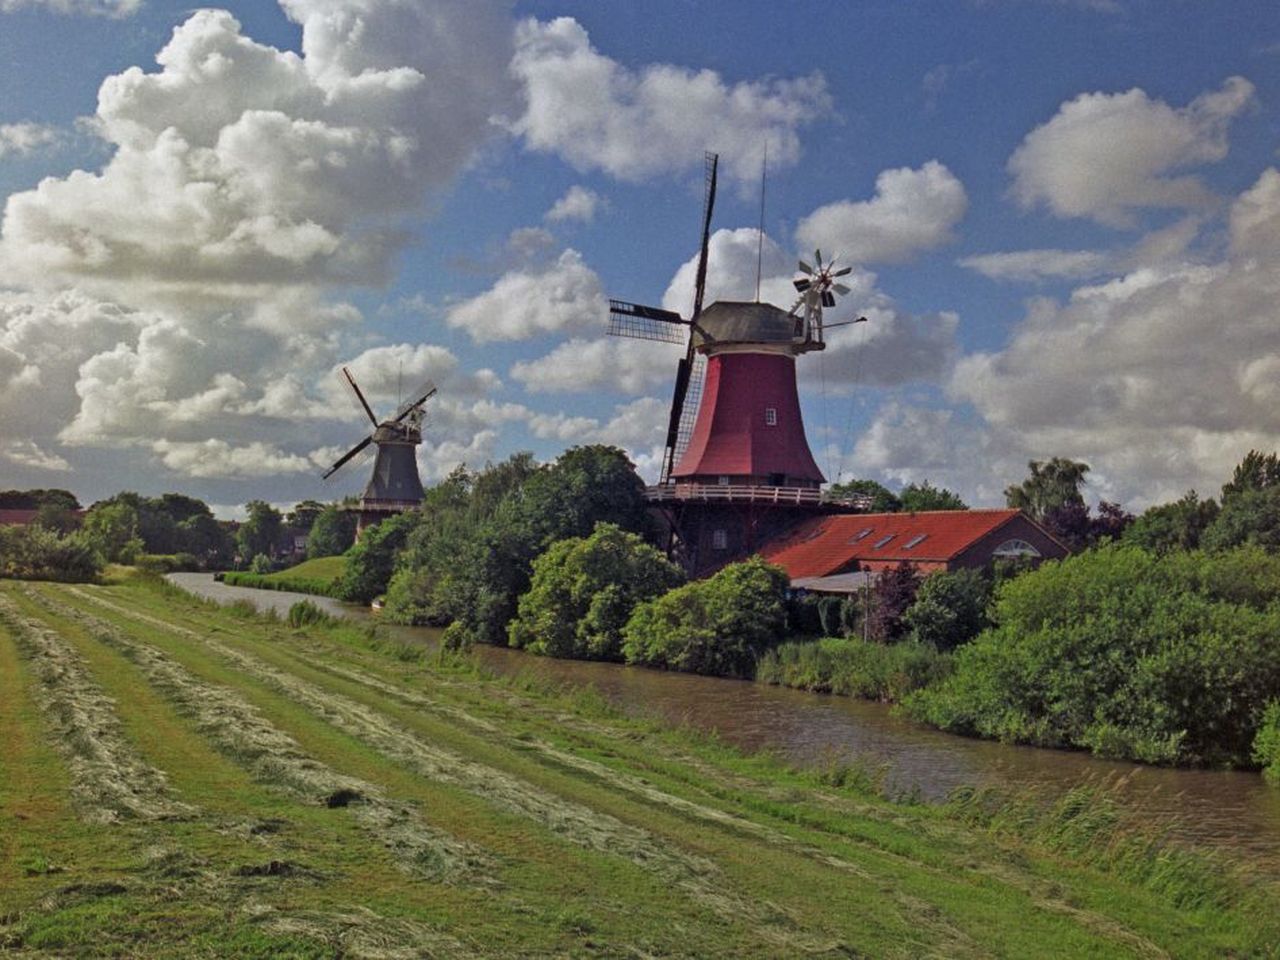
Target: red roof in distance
x,y
17,517
826,545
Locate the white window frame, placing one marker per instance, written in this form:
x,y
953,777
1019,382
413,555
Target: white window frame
x,y
719,539
722,480
770,416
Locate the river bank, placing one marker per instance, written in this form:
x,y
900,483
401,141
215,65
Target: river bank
x,y
1228,810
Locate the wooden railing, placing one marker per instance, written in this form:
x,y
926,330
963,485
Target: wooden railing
x,y
370,505
749,493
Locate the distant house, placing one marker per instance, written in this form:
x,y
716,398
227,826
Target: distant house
x,y
930,541
17,518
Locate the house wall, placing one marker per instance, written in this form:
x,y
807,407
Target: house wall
x,y
979,554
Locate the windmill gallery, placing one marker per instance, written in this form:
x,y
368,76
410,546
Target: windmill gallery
x,y
737,474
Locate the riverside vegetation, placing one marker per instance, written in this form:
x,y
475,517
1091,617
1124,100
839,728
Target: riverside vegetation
x,y
179,778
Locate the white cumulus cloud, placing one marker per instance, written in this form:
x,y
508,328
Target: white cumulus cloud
x,y
912,211
563,296
1105,155
599,115
578,203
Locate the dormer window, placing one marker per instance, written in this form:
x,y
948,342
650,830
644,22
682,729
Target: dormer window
x,y
915,541
771,416
882,541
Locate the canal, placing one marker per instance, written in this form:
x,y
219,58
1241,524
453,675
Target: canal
x,y
1231,810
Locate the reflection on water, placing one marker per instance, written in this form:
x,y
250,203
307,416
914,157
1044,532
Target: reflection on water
x,y
1223,808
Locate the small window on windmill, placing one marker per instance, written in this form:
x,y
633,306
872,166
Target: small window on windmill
x,y
771,416
882,541
723,481
720,539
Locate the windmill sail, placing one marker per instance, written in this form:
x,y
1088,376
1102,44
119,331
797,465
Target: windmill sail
x,y
685,371
417,398
639,322
689,413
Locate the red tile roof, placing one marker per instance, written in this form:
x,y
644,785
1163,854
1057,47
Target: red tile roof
x,y
826,545
17,517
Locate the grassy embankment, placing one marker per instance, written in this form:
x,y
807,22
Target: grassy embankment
x,y
318,577
182,779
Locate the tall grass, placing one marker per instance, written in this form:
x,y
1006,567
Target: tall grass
x,y
262,581
852,667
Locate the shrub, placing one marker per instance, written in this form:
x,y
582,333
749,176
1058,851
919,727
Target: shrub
x,y
717,626
584,589
894,591
950,609
1160,659
304,612
260,564
1266,745
371,561
34,553
854,668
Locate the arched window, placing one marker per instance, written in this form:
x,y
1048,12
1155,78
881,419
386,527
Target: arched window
x,y
1015,548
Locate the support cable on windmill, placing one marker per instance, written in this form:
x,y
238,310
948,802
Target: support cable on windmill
x,y
395,485
736,462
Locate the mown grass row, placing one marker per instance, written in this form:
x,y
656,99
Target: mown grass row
x,y
596,834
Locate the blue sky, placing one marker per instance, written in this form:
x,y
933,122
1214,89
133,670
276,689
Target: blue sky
x,y
1064,219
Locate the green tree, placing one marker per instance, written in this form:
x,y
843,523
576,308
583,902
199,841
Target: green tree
x,y
718,626
922,496
883,500
36,553
1257,471
371,561
1053,484
584,589
950,609
55,515
207,539
112,528
333,532
1251,516
1173,526
260,532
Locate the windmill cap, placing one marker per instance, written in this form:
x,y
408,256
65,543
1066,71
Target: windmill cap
x,y
728,322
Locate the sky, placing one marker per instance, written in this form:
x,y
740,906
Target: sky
x,y
1063,219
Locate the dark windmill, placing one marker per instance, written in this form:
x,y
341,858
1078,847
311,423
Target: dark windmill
x,y
394,486
737,467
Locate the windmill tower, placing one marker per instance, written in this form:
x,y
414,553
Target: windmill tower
x,y
395,486
737,467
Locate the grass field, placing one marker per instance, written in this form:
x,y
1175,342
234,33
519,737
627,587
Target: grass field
x,y
319,576
182,779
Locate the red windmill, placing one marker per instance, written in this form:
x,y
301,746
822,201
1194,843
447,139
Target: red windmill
x,y
737,465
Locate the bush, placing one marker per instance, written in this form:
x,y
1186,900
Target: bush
x,y
161,563
1160,659
1266,745
304,613
332,533
718,626
260,564
854,667
34,553
950,609
583,591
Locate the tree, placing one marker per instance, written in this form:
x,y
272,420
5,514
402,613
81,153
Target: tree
x,y
55,515
950,609
583,591
883,500
1173,526
36,553
922,496
112,527
207,539
260,532
1251,516
718,626
37,498
371,561
1053,484
333,532
1257,471
894,591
